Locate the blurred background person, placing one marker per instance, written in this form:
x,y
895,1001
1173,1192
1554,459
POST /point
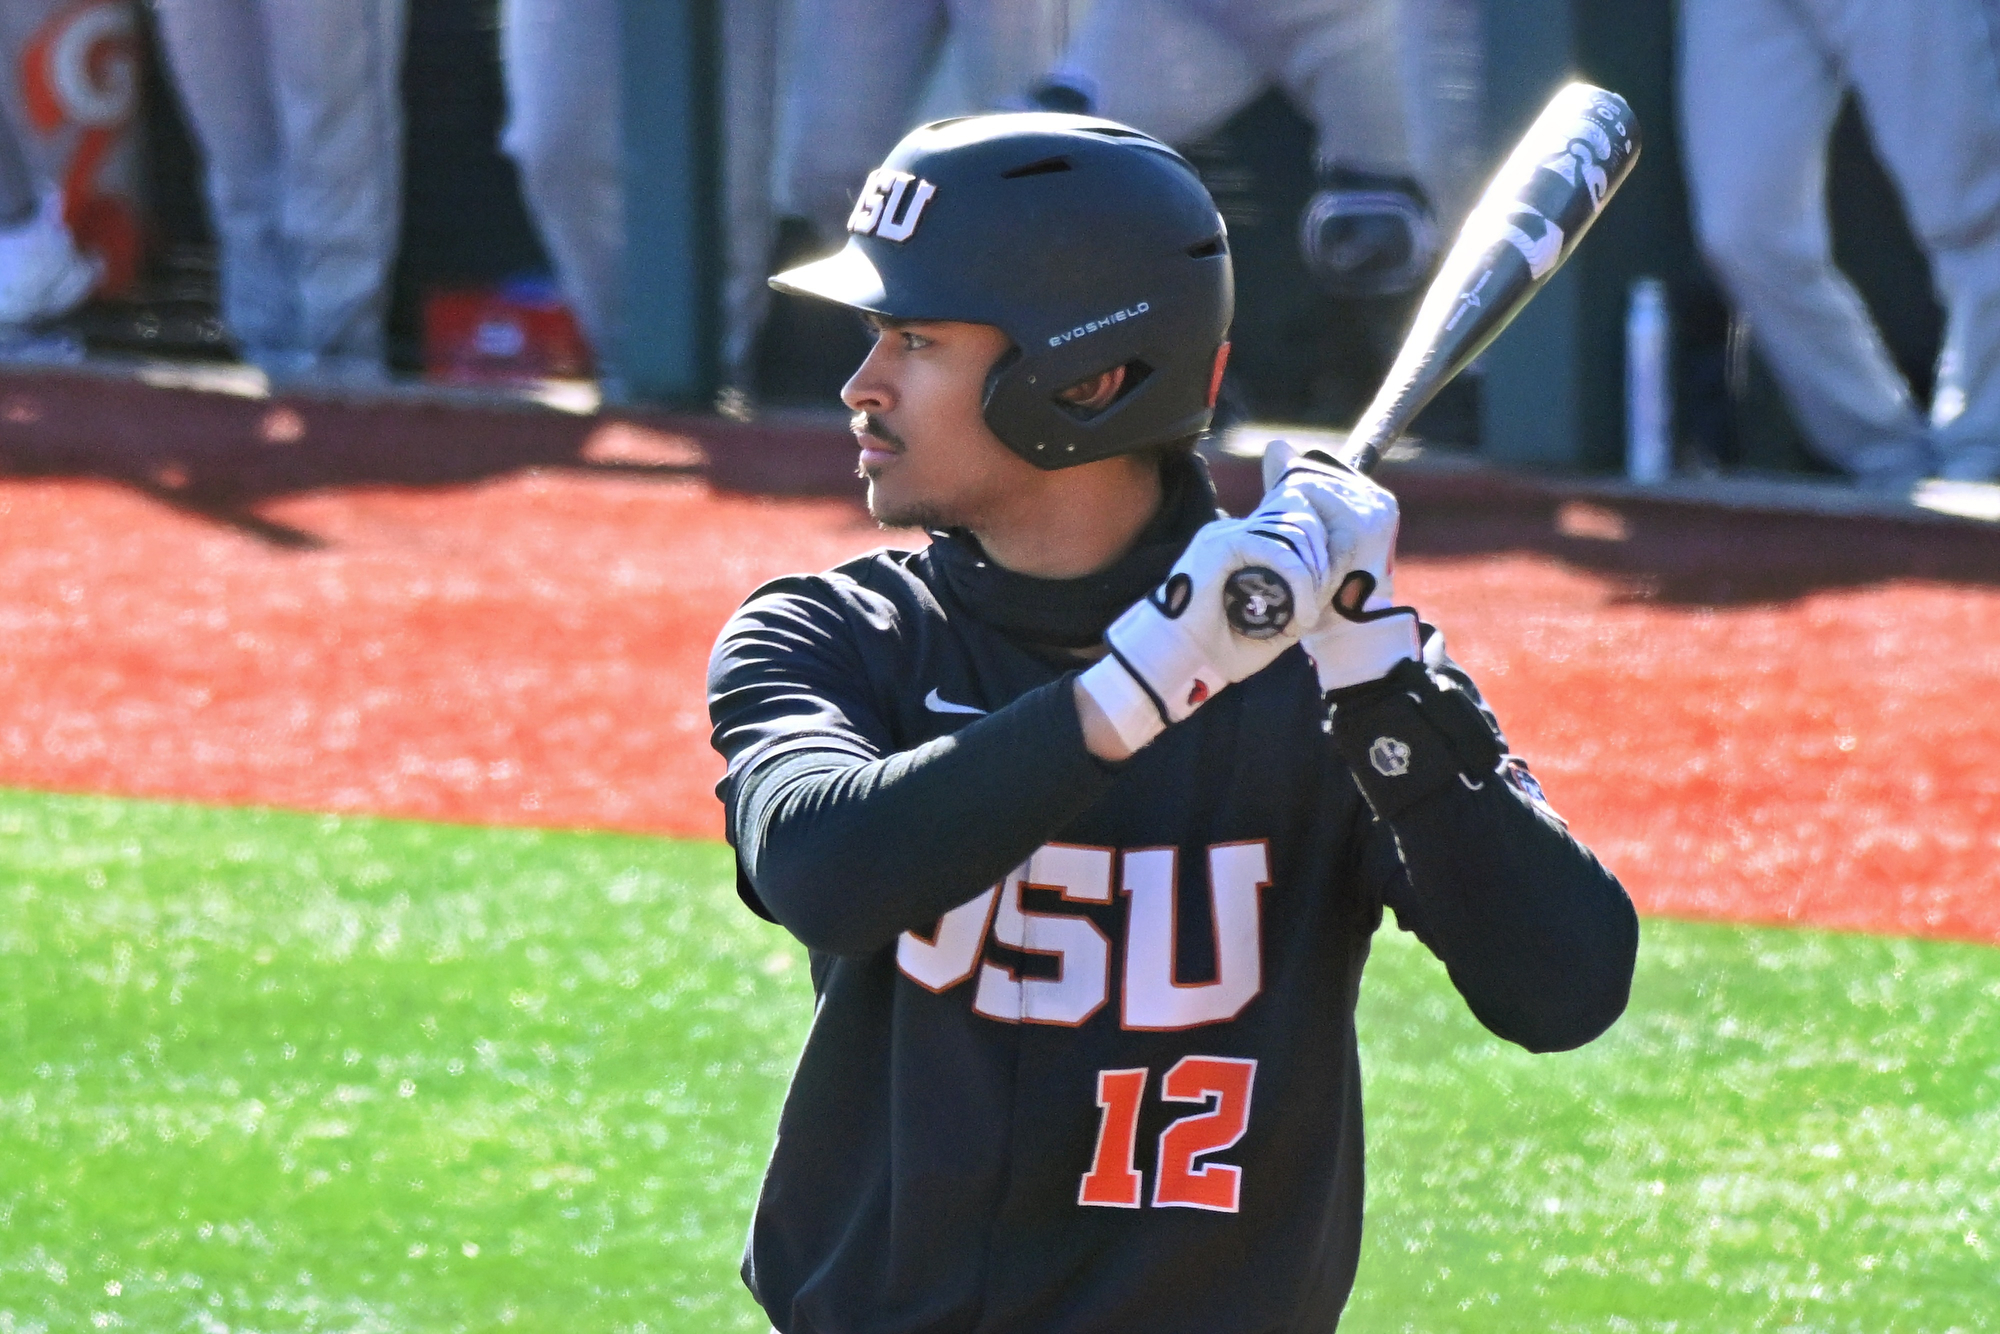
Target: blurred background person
x,y
752,49
562,66
1761,85
1179,69
69,88
860,73
42,274
296,106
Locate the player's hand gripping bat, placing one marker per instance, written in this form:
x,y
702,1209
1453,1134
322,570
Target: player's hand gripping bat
x,y
1528,221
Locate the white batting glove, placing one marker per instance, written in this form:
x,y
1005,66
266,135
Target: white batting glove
x,y
1241,594
1366,634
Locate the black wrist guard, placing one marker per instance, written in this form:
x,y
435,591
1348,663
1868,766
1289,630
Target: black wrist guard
x,y
1405,737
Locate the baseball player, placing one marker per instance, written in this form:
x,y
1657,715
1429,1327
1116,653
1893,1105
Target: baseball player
x,y
1087,811
297,107
1180,68
1761,83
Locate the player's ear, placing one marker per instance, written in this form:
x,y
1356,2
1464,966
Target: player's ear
x,y
1094,393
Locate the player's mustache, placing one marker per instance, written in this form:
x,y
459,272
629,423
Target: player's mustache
x,y
867,423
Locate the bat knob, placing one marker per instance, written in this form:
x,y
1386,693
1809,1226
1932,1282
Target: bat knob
x,y
1257,602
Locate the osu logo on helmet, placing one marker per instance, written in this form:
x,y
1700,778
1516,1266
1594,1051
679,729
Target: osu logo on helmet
x,y
889,207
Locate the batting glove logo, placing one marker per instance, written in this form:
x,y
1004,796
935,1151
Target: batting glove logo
x,y
1258,602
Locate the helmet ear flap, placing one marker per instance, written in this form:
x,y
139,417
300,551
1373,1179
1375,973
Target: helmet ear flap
x,y
1025,409
1131,374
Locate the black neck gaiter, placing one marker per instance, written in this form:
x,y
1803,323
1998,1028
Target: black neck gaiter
x,y
1073,613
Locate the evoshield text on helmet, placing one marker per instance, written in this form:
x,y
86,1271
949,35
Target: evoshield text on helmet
x,y
1091,245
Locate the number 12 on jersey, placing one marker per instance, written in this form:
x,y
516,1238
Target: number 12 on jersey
x,y
1179,1181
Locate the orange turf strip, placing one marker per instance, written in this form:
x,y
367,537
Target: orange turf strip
x,y
530,651
1834,759
527,651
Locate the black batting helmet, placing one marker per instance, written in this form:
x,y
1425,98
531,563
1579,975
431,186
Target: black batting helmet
x,y
1091,245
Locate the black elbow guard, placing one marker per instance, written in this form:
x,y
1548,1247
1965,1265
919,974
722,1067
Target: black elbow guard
x,y
1406,736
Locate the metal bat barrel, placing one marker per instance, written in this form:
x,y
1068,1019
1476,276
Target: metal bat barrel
x,y
1528,220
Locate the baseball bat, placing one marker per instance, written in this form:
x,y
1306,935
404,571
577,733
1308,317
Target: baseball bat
x,y
1526,223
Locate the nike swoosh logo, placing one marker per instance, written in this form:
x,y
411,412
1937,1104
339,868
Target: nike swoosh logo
x,y
936,705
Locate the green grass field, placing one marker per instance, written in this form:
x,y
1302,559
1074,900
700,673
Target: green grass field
x,y
282,1072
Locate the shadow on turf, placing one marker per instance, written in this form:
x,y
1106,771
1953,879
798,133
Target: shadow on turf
x,y
218,456
241,519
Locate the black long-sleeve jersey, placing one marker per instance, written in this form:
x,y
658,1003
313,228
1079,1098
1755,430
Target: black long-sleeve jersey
x,y
1083,1057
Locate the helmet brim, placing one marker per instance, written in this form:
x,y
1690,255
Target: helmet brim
x,y
846,278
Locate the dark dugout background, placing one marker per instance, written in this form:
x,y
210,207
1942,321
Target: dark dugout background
x,y
1299,355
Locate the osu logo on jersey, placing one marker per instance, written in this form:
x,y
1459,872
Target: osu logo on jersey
x,y
1150,995
891,205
